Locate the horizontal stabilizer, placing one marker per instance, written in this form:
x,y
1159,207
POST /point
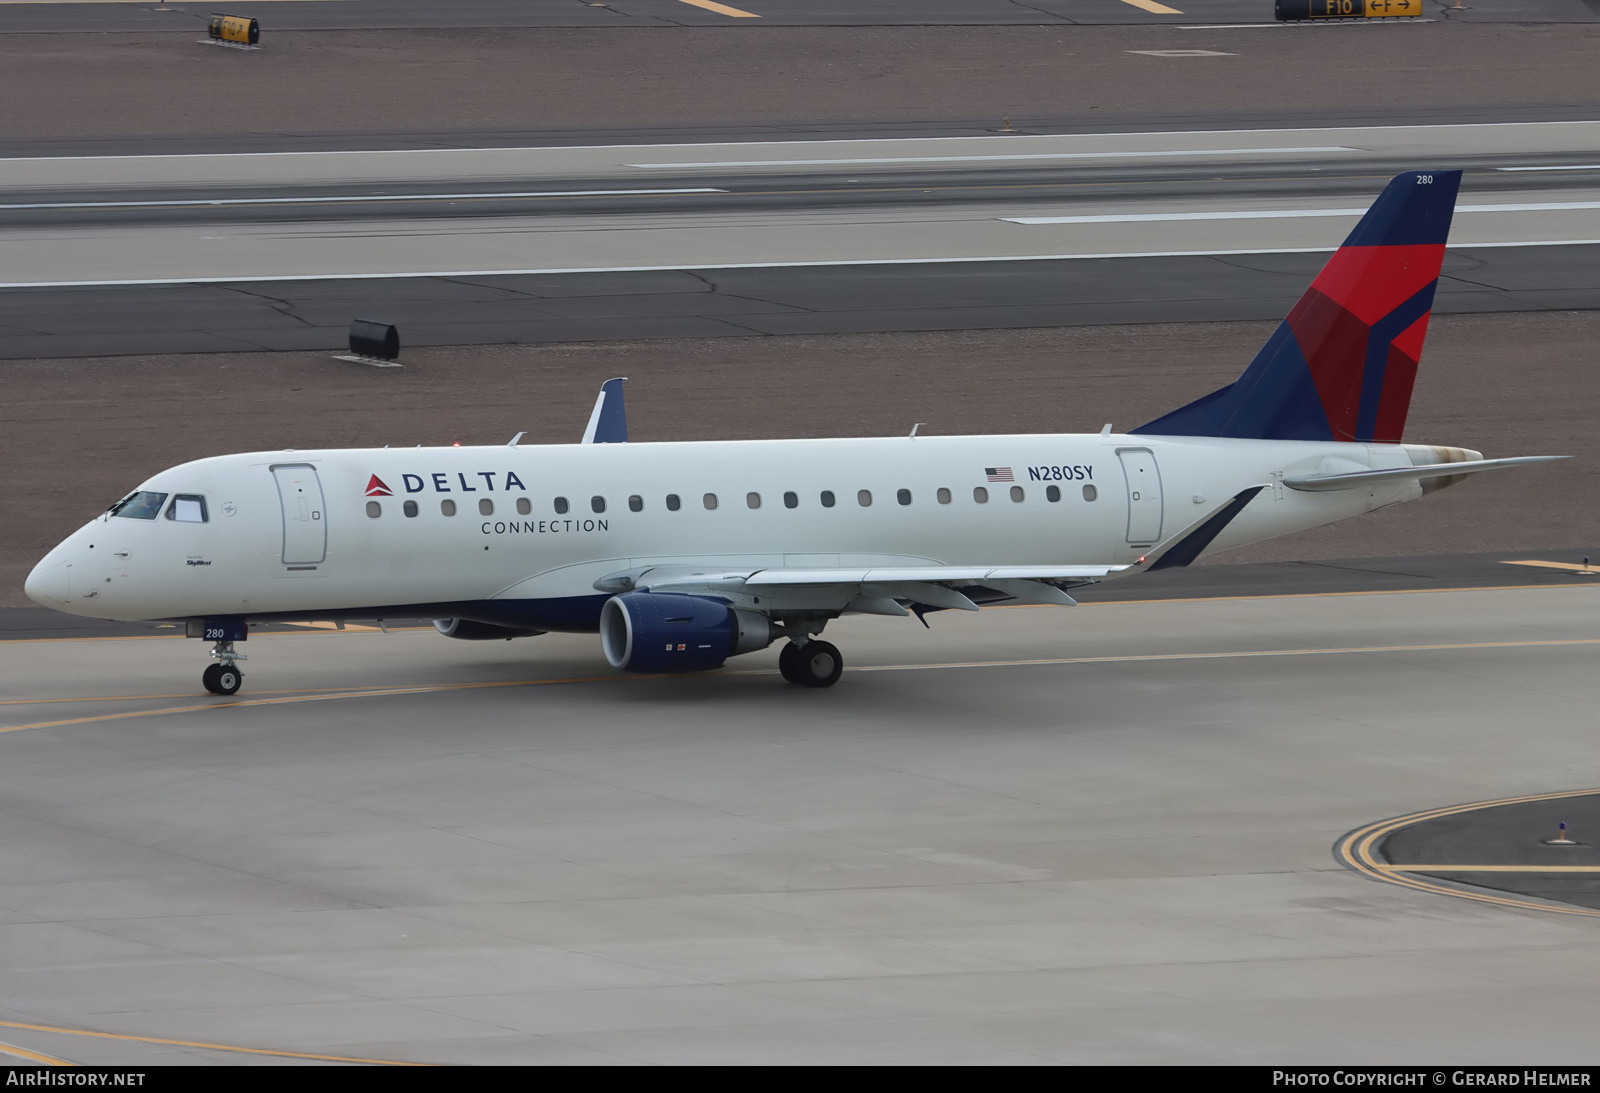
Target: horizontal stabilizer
x,y
1317,483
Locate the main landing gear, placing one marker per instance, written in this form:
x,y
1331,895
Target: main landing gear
x,y
814,664
224,677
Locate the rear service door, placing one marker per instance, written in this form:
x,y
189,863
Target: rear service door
x,y
305,529
1144,495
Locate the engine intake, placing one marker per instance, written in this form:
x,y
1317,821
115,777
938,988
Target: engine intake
x,y
467,630
671,632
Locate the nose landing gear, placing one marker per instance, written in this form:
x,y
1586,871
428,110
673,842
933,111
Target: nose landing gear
x,y
224,677
814,664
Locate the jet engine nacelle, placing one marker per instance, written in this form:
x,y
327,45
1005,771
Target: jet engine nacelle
x,y
467,630
671,632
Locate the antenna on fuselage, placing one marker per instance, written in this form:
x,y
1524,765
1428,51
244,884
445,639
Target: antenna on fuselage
x,y
514,440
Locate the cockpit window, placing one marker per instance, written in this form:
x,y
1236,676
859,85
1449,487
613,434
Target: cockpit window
x,y
190,508
139,505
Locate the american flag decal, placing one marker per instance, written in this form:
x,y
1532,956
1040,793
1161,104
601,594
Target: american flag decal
x,y
999,474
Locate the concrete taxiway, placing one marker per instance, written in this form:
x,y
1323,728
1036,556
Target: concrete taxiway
x,y
1100,834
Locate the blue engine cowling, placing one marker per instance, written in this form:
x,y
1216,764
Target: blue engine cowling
x,y
671,632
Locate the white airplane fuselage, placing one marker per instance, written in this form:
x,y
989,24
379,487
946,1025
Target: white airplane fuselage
x,y
296,534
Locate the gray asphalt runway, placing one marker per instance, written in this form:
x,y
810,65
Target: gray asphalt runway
x,y
602,307
1104,837
753,14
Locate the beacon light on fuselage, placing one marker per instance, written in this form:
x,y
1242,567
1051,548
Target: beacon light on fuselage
x,y
682,555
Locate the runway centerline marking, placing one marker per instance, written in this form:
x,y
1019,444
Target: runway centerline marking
x,y
997,158
201,1044
721,9
1134,658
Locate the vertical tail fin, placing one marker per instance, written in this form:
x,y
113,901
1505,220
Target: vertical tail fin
x,y
1342,365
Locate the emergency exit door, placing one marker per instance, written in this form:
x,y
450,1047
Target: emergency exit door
x,y
305,530
1144,495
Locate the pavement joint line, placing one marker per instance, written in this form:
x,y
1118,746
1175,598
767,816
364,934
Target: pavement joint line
x,y
1355,852
818,263
199,1044
32,1056
1137,658
1012,139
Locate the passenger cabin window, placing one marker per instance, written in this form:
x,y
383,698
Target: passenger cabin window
x,y
673,502
636,503
409,508
752,500
827,499
189,508
709,500
485,507
864,498
903,496
1017,494
598,504
561,506
142,505
524,506
1090,493
791,500
1052,493
943,495
448,507
980,494
374,509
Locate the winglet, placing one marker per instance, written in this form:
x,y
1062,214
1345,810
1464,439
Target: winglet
x,y
608,423
1185,547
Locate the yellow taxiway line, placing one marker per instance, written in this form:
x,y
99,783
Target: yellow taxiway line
x,y
1569,567
197,1043
1492,868
1356,851
32,1056
723,9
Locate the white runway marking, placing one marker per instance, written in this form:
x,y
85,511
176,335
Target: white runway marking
x,y
1141,154
208,202
1285,214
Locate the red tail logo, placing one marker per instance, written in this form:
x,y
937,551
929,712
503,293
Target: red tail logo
x,y
376,488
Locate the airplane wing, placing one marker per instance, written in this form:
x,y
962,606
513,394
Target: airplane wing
x,y
886,590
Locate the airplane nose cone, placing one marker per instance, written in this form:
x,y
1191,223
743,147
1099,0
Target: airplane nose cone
x,y
47,584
